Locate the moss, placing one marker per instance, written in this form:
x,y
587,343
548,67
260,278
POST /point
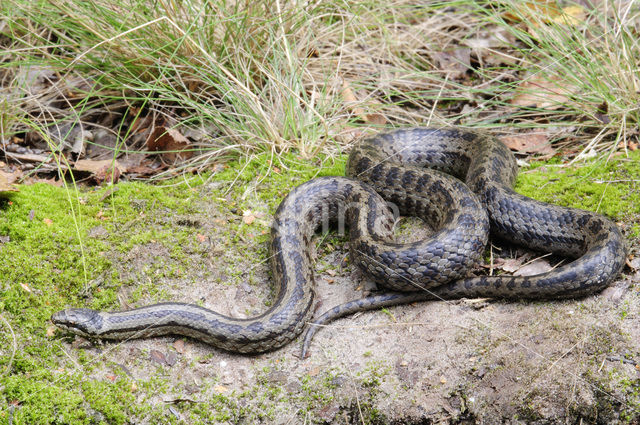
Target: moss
x,y
61,398
609,188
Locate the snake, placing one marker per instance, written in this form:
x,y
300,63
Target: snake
x,y
459,181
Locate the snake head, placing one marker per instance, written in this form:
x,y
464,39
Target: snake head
x,y
80,321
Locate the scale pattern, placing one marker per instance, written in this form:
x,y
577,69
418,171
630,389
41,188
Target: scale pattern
x,y
594,242
458,244
418,172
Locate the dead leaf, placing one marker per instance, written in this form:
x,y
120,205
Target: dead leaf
x,y
314,371
329,412
488,47
107,174
47,221
6,180
531,142
602,113
510,265
92,166
201,238
631,145
571,15
534,12
220,389
104,171
179,346
143,170
456,62
51,331
26,287
352,103
29,157
170,142
52,181
543,92
158,357
538,266
248,217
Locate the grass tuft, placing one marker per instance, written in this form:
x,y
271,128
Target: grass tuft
x,y
271,76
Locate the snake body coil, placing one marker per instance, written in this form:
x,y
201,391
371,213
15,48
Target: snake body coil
x,y
489,169
393,164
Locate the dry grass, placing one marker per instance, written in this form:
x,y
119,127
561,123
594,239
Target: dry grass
x,y
274,75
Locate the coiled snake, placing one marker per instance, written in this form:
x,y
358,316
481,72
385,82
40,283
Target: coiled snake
x,y
393,164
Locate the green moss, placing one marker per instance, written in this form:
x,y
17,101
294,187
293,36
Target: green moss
x,y
273,179
609,188
61,398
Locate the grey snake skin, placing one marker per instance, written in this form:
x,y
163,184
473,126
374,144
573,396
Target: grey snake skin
x,y
393,164
489,168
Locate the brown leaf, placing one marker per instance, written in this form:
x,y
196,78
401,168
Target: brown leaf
x,y
511,265
47,221
220,389
6,180
352,103
179,346
547,12
158,357
107,174
171,142
527,8
29,157
601,113
104,171
329,412
571,15
92,166
143,170
52,181
535,267
532,142
543,93
455,62
489,46
248,217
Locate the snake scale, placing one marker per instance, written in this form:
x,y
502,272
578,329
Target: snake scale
x,y
391,168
